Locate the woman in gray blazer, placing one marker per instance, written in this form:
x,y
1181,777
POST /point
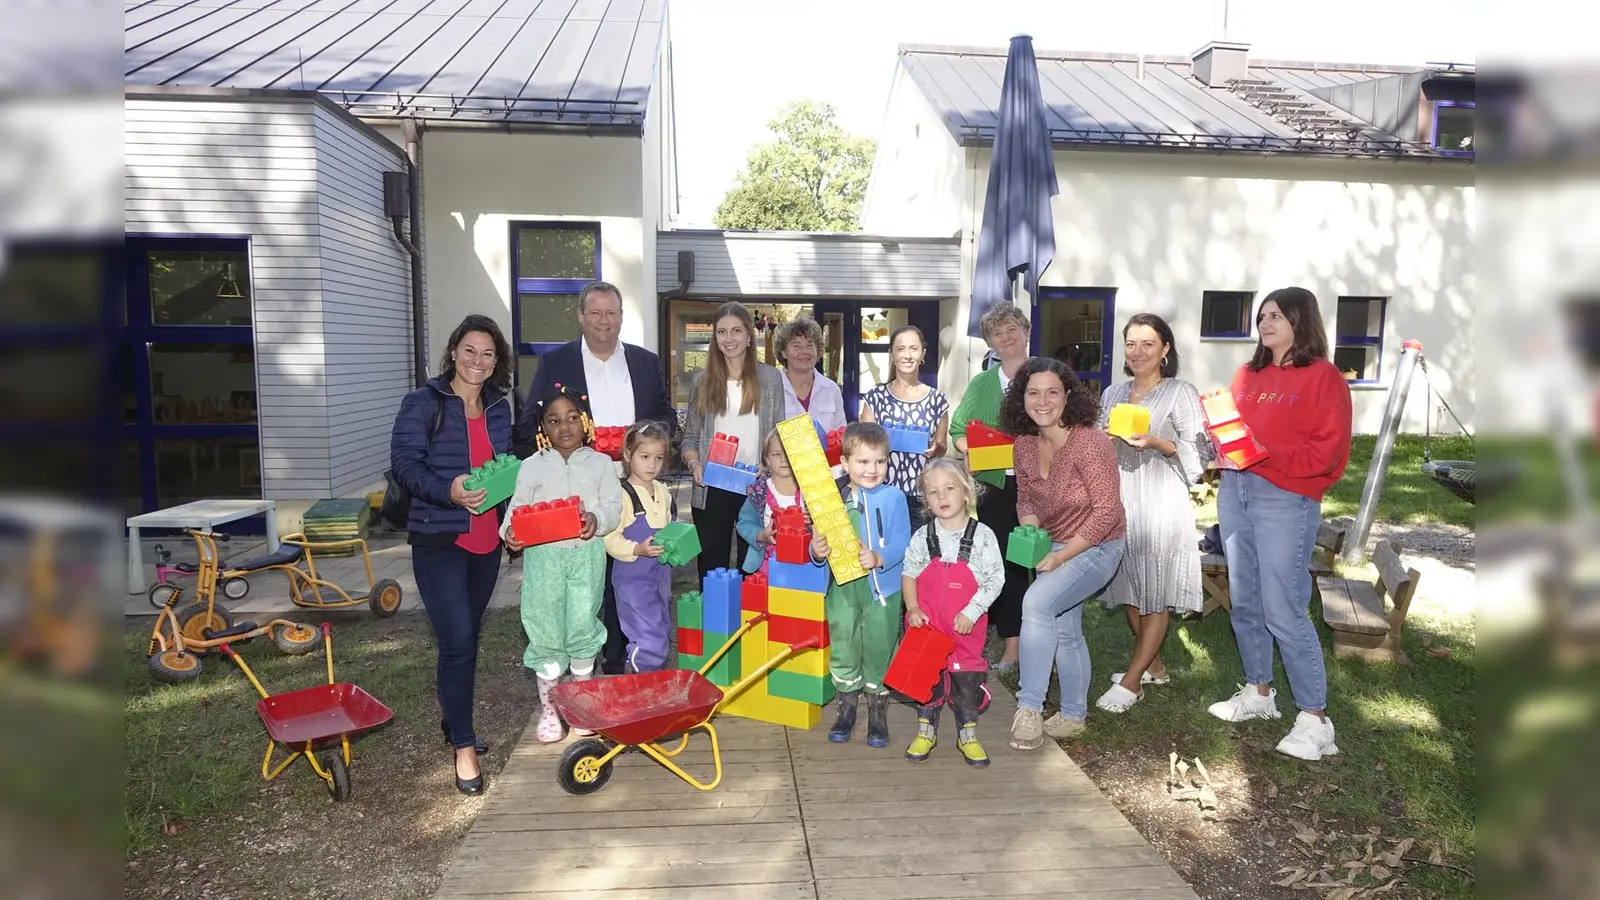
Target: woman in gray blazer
x,y
740,397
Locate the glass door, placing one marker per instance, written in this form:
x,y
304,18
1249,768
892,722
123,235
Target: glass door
x,y
1077,325
856,339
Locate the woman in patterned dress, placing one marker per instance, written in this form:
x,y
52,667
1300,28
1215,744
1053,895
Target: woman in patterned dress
x,y
1160,572
904,400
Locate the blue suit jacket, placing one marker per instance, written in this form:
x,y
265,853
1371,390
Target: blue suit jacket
x,y
564,365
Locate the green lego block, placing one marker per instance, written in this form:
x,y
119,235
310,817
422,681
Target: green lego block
x,y
816,689
680,543
691,613
726,671
498,476
690,662
1027,545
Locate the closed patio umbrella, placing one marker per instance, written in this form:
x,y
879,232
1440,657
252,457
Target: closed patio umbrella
x,y
1018,233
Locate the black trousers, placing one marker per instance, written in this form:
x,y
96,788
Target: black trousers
x,y
998,510
715,525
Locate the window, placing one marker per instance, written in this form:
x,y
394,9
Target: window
x,y
551,262
1452,127
1358,338
1225,314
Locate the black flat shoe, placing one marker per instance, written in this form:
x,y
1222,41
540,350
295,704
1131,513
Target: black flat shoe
x,y
479,746
470,786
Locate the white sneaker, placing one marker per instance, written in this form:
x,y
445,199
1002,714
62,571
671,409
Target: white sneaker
x,y
1247,704
1310,739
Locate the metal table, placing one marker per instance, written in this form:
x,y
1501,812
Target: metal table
x,y
201,514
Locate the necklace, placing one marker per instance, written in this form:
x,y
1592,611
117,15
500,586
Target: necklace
x,y
1136,396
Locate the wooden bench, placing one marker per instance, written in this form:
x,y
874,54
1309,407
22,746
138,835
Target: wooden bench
x,y
1214,567
1362,626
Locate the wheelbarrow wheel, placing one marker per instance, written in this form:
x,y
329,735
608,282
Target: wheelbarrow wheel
x,y
385,598
339,788
581,770
174,666
235,588
296,639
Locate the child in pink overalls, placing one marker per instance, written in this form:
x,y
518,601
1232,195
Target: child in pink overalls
x,y
640,580
953,571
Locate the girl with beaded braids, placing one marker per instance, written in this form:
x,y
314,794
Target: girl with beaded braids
x,y
563,581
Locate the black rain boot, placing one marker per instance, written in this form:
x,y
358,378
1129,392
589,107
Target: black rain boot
x,y
846,723
964,701
878,720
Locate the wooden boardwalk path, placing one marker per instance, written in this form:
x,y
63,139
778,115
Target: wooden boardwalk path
x,y
798,818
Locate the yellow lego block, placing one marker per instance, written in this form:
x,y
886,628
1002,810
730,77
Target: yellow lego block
x,y
988,459
812,662
754,638
757,704
794,604
1128,419
821,496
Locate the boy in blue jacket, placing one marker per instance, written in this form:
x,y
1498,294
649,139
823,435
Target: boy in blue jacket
x,y
864,615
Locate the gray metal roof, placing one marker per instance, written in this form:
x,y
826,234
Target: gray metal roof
x,y
1154,102
568,62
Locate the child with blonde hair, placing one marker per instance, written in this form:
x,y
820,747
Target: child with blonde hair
x,y
776,489
642,583
953,572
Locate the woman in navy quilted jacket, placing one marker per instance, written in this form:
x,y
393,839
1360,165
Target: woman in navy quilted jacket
x,y
457,421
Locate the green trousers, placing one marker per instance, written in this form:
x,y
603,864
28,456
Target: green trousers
x,y
561,592
863,634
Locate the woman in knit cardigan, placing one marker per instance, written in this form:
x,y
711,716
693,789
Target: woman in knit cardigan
x,y
1005,328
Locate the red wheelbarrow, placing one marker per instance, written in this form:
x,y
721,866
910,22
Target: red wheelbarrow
x,y
637,711
313,719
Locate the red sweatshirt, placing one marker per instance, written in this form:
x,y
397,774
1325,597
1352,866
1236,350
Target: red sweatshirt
x,y
1302,416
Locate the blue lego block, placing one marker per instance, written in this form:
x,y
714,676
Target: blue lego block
x,y
905,439
735,479
721,595
797,576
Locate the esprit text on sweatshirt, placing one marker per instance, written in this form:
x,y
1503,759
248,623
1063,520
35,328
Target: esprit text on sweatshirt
x,y
1301,414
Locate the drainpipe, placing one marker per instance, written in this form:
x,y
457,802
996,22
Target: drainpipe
x,y
1355,543
412,130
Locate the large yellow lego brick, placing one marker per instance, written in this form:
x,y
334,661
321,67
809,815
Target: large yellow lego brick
x,y
807,605
806,662
1128,419
757,704
821,495
989,459
755,639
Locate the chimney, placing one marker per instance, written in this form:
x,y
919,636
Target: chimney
x,y
1220,62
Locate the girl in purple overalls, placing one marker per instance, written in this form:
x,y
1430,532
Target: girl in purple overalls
x,y
641,582
953,572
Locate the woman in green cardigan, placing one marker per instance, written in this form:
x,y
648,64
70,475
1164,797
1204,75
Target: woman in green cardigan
x,y
1005,328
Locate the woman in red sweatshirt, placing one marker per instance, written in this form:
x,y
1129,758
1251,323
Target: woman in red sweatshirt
x,y
1298,406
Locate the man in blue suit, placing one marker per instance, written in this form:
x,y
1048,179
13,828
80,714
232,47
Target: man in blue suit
x,y
625,384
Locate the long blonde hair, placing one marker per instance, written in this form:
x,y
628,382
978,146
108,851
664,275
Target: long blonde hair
x,y
712,398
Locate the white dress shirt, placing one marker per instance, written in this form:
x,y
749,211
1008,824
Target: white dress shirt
x,y
827,402
610,387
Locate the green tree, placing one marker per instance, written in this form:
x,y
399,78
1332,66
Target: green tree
x,y
812,178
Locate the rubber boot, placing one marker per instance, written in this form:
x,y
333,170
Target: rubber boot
x,y
878,720
549,729
583,676
846,722
964,701
927,734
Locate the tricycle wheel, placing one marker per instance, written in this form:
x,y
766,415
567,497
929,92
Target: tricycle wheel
x,y
174,666
195,621
161,592
581,770
385,598
296,639
235,588
339,788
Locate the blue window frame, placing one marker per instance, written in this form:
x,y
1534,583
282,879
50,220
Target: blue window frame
x,y
1077,325
550,264
1226,314
1358,338
1453,131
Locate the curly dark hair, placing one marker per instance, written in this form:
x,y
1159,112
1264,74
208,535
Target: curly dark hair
x,y
1082,408
500,380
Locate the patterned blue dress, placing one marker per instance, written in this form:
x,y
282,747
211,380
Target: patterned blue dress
x,y
887,409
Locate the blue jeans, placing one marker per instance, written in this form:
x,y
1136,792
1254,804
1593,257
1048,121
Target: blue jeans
x,y
1052,628
1268,535
456,586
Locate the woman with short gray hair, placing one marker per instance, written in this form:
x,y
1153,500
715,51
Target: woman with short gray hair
x,y
798,345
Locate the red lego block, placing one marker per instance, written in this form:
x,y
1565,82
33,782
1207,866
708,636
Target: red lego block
x,y
1236,443
917,664
753,593
792,536
723,449
833,447
791,630
691,641
981,435
608,440
542,523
